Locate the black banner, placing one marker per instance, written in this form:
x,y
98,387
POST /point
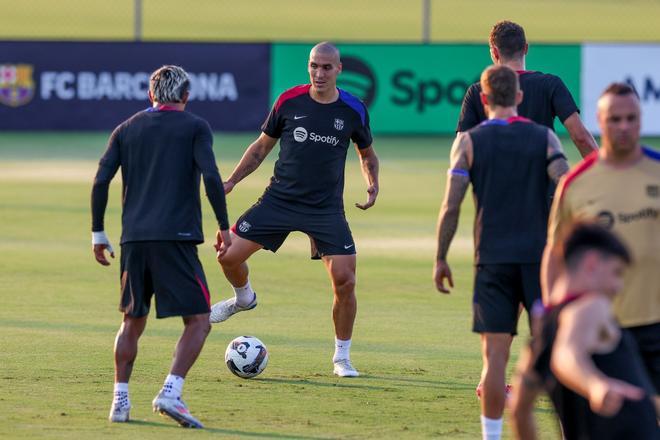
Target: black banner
x,y
95,86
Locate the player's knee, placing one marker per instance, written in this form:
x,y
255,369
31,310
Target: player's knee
x,y
344,283
198,323
496,353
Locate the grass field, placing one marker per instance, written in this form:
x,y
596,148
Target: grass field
x,y
340,20
420,363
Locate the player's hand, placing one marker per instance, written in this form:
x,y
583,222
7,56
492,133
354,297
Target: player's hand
x,y
228,186
372,193
100,243
441,271
222,243
607,396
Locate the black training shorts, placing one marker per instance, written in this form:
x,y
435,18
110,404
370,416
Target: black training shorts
x,y
169,269
648,342
499,289
268,224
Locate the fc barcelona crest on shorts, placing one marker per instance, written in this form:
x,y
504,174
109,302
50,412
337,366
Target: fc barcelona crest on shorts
x,y
339,124
16,84
244,226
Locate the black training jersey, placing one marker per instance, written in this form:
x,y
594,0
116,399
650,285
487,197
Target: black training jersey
x,y
314,139
162,153
510,186
545,97
636,419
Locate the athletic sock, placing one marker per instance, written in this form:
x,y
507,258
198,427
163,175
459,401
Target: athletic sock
x,y
491,429
120,395
244,295
342,350
173,386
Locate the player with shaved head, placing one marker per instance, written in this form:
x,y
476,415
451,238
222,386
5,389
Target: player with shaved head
x,y
315,124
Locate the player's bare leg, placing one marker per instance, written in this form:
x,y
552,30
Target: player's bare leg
x,y
234,265
168,402
495,353
341,269
196,329
126,348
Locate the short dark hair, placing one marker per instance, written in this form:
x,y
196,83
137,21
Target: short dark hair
x,y
509,39
583,237
500,85
619,89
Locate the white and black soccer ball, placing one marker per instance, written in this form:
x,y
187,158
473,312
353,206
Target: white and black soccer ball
x,y
246,356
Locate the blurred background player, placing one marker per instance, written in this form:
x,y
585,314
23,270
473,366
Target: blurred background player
x,y
589,367
161,151
508,160
546,96
316,123
619,187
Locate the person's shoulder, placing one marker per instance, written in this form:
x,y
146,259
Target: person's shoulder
x,y
354,103
579,171
651,154
291,93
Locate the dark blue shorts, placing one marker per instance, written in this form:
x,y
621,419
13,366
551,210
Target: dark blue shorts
x,y
499,289
268,224
169,269
648,342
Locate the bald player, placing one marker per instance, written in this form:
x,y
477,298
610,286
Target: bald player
x,y
619,186
315,124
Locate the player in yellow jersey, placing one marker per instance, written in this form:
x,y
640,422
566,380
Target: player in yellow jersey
x,y
620,187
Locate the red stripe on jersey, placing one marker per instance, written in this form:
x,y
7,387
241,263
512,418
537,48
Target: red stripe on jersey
x,y
522,72
291,93
167,108
513,119
580,168
205,291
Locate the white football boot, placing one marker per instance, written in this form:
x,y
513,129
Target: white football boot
x,y
119,413
175,409
344,368
223,310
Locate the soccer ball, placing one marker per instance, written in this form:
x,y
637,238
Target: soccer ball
x,y
246,356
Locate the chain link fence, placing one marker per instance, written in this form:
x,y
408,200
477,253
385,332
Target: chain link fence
x,y
410,21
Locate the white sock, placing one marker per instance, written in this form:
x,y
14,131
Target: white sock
x,y
491,429
120,395
173,386
244,295
342,350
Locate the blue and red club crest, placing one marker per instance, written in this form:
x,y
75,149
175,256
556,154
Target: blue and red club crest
x,y
16,84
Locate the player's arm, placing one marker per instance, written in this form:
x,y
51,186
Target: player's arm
x,y
108,166
552,262
205,162
526,387
469,116
581,137
557,165
586,327
458,179
369,166
252,158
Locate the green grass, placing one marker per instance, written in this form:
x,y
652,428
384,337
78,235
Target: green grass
x,y
419,360
341,20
